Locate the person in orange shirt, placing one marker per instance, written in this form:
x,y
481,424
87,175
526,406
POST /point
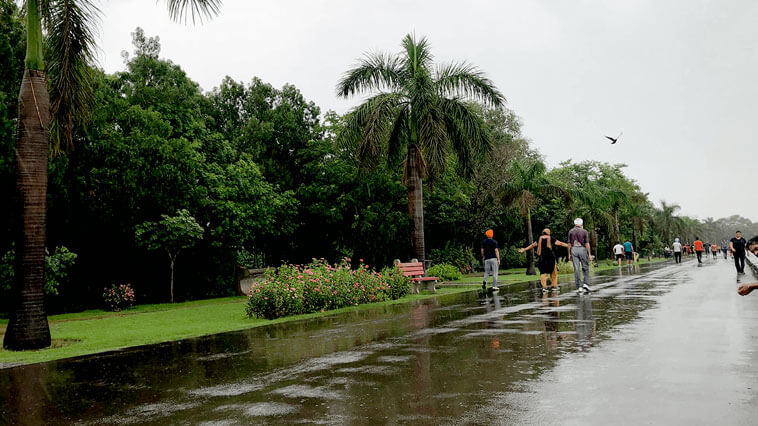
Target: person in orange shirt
x,y
698,249
714,249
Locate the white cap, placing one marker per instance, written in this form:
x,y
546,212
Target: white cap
x,y
578,221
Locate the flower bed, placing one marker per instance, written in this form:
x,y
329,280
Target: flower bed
x,y
319,286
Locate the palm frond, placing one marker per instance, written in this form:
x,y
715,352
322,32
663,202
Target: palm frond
x,y
466,133
398,137
433,139
467,81
366,126
197,10
70,52
378,71
418,53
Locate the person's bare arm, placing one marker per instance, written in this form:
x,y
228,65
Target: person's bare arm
x,y
562,244
745,289
482,254
731,246
497,255
529,247
589,250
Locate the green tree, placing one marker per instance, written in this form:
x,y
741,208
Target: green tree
x,y
527,182
421,110
69,50
171,234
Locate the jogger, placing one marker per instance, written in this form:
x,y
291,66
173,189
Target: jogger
x,y
677,250
737,246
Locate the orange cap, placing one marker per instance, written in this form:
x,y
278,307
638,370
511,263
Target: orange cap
x,y
489,233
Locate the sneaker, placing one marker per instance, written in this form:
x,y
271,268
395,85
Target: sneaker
x,y
495,288
586,288
544,290
484,286
556,289
579,292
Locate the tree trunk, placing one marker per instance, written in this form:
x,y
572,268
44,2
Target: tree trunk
x,y
28,327
593,243
416,201
617,227
634,239
173,260
530,240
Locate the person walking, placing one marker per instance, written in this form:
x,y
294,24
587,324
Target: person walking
x,y
629,252
546,259
579,240
724,247
737,247
752,247
618,251
491,259
698,249
714,250
677,246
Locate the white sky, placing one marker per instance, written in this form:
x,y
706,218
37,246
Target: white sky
x,y
677,77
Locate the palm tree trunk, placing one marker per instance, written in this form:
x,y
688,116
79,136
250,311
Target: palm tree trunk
x,y
634,239
173,260
28,327
593,242
416,201
617,227
530,239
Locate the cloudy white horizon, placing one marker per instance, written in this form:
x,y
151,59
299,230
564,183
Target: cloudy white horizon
x,y
676,77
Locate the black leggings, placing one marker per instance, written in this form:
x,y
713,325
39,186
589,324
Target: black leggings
x,y
678,256
739,262
699,256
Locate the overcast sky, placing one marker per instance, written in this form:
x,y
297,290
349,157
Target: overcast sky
x,y
677,77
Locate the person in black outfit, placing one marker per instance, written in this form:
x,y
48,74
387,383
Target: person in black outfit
x,y
546,258
752,247
737,246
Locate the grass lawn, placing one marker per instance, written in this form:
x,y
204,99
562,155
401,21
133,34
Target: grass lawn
x,y
96,331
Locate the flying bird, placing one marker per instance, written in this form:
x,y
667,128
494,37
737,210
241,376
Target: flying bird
x,y
616,139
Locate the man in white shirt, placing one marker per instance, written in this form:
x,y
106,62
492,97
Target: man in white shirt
x,y
677,250
618,250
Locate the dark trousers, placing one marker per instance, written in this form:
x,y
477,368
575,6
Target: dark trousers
x,y
699,256
739,261
678,256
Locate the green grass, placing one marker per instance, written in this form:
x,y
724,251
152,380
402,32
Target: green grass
x,y
96,331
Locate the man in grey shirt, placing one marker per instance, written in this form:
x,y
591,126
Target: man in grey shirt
x,y
579,240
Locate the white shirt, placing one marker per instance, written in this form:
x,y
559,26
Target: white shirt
x,y
618,249
677,247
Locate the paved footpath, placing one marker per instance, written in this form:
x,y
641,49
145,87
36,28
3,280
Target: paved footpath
x,y
665,344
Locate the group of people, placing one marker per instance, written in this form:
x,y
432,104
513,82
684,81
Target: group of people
x,y
578,246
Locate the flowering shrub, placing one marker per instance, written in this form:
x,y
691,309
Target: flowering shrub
x,y
445,271
118,297
319,286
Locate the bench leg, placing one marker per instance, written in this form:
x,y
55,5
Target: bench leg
x,y
416,287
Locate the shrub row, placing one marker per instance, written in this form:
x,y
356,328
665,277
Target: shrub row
x,y
319,286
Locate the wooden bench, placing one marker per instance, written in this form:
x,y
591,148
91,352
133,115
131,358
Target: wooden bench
x,y
415,270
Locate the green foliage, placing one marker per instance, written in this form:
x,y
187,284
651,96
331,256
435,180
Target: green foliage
x,y
458,256
118,297
171,233
445,271
511,258
57,268
318,286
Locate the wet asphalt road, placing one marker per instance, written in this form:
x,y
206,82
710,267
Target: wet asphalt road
x,y
669,344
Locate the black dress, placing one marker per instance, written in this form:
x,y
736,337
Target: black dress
x,y
546,259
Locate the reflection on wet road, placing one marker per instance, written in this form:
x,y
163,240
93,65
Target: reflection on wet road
x,y
663,345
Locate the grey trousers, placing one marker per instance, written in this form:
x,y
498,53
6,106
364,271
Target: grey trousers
x,y
490,268
581,259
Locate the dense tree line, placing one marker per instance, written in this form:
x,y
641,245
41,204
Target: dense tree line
x,y
271,178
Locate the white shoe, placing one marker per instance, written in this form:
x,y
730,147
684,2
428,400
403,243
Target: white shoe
x,y
579,292
495,288
586,288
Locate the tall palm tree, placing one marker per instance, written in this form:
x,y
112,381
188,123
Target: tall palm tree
x,y
46,116
638,210
527,182
418,109
666,219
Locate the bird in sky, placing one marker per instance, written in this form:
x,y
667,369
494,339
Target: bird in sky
x,y
616,139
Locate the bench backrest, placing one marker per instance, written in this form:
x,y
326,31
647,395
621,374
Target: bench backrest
x,y
413,269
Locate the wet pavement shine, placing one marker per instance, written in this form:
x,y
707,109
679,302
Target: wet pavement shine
x,y
663,344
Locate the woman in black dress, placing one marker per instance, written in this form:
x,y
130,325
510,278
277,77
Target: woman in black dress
x,y
546,259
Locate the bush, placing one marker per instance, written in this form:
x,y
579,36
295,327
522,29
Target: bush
x,y
511,258
458,256
445,271
565,268
118,297
318,286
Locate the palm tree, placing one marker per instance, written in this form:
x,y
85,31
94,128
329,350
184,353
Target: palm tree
x,y
527,182
46,116
666,219
418,109
639,212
